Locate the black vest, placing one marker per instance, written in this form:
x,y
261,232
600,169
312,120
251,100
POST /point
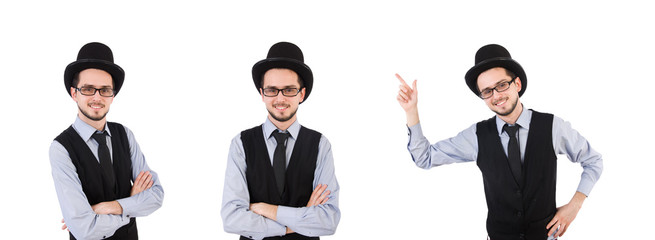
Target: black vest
x,y
90,172
299,175
515,213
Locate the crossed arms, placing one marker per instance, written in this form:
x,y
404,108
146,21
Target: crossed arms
x,y
103,219
319,217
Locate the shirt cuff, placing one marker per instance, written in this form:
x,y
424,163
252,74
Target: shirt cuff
x,y
414,132
128,205
585,186
286,215
274,229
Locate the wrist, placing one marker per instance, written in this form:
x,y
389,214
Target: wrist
x,y
117,208
578,199
412,117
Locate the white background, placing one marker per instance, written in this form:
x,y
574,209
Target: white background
x,y
188,91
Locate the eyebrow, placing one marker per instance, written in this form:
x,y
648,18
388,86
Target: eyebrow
x,y
93,86
284,87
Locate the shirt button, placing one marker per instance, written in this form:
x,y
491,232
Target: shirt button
x,y
519,193
519,213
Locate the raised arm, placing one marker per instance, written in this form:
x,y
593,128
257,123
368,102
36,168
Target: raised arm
x,y
408,99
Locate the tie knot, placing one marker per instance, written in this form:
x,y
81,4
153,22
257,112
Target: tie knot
x,y
100,137
280,137
511,130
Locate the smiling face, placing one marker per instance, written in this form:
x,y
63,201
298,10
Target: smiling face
x,y
504,103
281,109
93,109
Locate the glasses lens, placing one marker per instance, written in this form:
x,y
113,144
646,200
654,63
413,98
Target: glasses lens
x,y
502,86
290,92
87,91
270,92
106,92
486,93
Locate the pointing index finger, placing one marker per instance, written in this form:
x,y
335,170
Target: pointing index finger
x,y
401,80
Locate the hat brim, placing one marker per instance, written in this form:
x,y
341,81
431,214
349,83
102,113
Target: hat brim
x,y
507,63
303,71
116,72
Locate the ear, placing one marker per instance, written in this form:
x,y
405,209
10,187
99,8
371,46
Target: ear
x,y
261,93
73,94
519,85
302,95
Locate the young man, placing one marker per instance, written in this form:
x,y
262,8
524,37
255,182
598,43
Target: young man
x,y
279,181
95,162
515,151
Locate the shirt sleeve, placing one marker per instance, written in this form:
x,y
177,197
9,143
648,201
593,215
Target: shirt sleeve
x,y
80,219
568,141
320,220
146,202
461,148
237,218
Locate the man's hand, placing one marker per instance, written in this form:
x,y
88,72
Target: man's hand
x,y
64,227
141,183
267,210
565,215
319,195
111,207
408,99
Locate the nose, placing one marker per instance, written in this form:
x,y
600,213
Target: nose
x,y
96,95
496,94
280,96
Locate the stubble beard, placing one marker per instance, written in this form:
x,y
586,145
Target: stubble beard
x,y
89,116
281,118
510,111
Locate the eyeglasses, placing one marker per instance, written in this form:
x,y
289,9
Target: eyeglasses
x,y
501,87
90,91
287,92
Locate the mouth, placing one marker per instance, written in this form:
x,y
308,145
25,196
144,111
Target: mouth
x,y
281,107
500,102
96,106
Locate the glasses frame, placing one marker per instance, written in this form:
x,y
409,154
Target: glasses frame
x,y
509,84
79,89
277,92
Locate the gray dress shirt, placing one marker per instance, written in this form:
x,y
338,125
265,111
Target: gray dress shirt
x,y
318,220
78,215
464,147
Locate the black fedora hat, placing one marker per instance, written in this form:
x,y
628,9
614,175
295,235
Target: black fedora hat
x,y
491,56
284,55
94,55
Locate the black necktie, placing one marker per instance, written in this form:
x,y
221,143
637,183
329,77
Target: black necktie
x,y
280,159
105,161
514,152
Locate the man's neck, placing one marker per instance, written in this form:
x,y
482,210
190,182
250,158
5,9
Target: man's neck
x,y
98,125
514,115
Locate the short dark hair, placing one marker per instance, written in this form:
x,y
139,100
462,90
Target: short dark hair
x,y
76,79
509,73
300,81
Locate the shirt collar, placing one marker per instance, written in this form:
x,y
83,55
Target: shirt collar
x,y
269,127
85,130
524,120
